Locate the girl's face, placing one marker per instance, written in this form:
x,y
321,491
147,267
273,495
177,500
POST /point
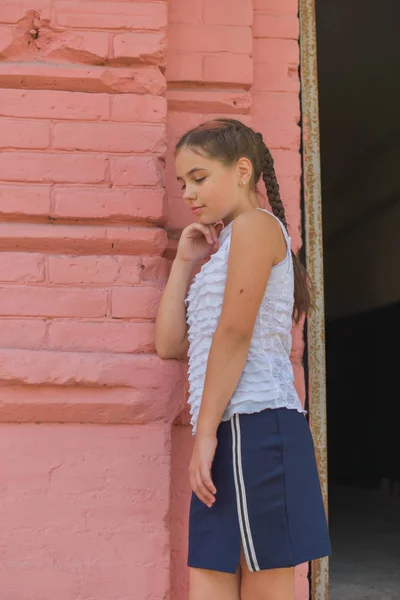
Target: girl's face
x,y
210,188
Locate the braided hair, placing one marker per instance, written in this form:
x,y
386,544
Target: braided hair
x,y
228,140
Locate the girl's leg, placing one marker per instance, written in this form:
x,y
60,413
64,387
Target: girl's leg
x,y
274,584
213,585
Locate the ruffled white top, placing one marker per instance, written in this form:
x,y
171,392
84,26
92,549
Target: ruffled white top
x,y
267,379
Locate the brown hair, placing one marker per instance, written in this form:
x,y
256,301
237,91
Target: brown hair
x,y
229,140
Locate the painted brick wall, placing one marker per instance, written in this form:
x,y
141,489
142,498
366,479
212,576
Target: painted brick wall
x,y
85,403
94,483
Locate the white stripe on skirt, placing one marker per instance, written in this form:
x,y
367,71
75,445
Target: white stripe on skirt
x,y
244,523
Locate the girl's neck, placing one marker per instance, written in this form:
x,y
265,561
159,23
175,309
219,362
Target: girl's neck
x,y
249,203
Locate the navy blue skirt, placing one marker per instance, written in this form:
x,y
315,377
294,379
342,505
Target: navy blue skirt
x,y
268,497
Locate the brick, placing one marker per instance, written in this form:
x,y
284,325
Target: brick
x,y
141,109
280,133
110,137
21,267
145,47
23,333
270,51
94,79
124,581
184,66
90,47
178,124
92,368
94,270
102,337
155,270
44,509
6,38
52,302
283,26
47,167
136,170
290,192
209,39
276,77
228,101
185,12
115,15
85,47
226,12
14,10
86,470
228,68
88,239
287,162
21,200
48,104
276,105
116,498
78,404
137,240
19,133
135,302
106,203
283,6
31,508
87,568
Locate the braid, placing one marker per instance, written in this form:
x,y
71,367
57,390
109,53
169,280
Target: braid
x,y
302,285
271,183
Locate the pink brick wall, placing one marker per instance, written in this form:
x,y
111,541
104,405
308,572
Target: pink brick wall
x,y
94,473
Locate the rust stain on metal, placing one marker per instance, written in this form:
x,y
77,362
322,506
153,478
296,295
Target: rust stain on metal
x,y
314,257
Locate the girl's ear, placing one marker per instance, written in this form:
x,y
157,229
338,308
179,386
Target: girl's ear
x,y
244,170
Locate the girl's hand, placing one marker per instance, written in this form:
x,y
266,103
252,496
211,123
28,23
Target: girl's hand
x,y
197,242
200,468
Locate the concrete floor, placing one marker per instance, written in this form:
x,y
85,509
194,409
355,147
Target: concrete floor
x,y
365,529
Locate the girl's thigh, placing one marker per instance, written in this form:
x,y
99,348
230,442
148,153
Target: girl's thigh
x,y
273,584
213,585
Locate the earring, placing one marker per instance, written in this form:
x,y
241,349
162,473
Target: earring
x,y
243,182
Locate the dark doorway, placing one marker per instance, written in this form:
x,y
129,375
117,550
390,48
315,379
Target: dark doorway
x,y
359,92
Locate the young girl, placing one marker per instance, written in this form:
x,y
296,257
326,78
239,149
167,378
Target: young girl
x,y
256,508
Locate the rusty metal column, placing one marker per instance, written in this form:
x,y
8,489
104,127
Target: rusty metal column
x,y
314,259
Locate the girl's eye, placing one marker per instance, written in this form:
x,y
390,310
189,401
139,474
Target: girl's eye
x,y
200,180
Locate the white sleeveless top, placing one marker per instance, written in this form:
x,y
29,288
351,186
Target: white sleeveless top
x,y
267,379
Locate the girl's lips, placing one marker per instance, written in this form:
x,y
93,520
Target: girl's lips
x,y
196,209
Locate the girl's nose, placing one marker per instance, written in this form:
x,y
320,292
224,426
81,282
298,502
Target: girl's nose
x,y
189,193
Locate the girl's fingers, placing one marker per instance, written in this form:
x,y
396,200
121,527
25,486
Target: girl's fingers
x,y
202,492
205,231
206,477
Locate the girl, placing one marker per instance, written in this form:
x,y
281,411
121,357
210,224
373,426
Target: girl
x,y
256,508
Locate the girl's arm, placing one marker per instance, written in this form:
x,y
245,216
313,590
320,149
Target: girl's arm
x,y
257,243
171,327
195,244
